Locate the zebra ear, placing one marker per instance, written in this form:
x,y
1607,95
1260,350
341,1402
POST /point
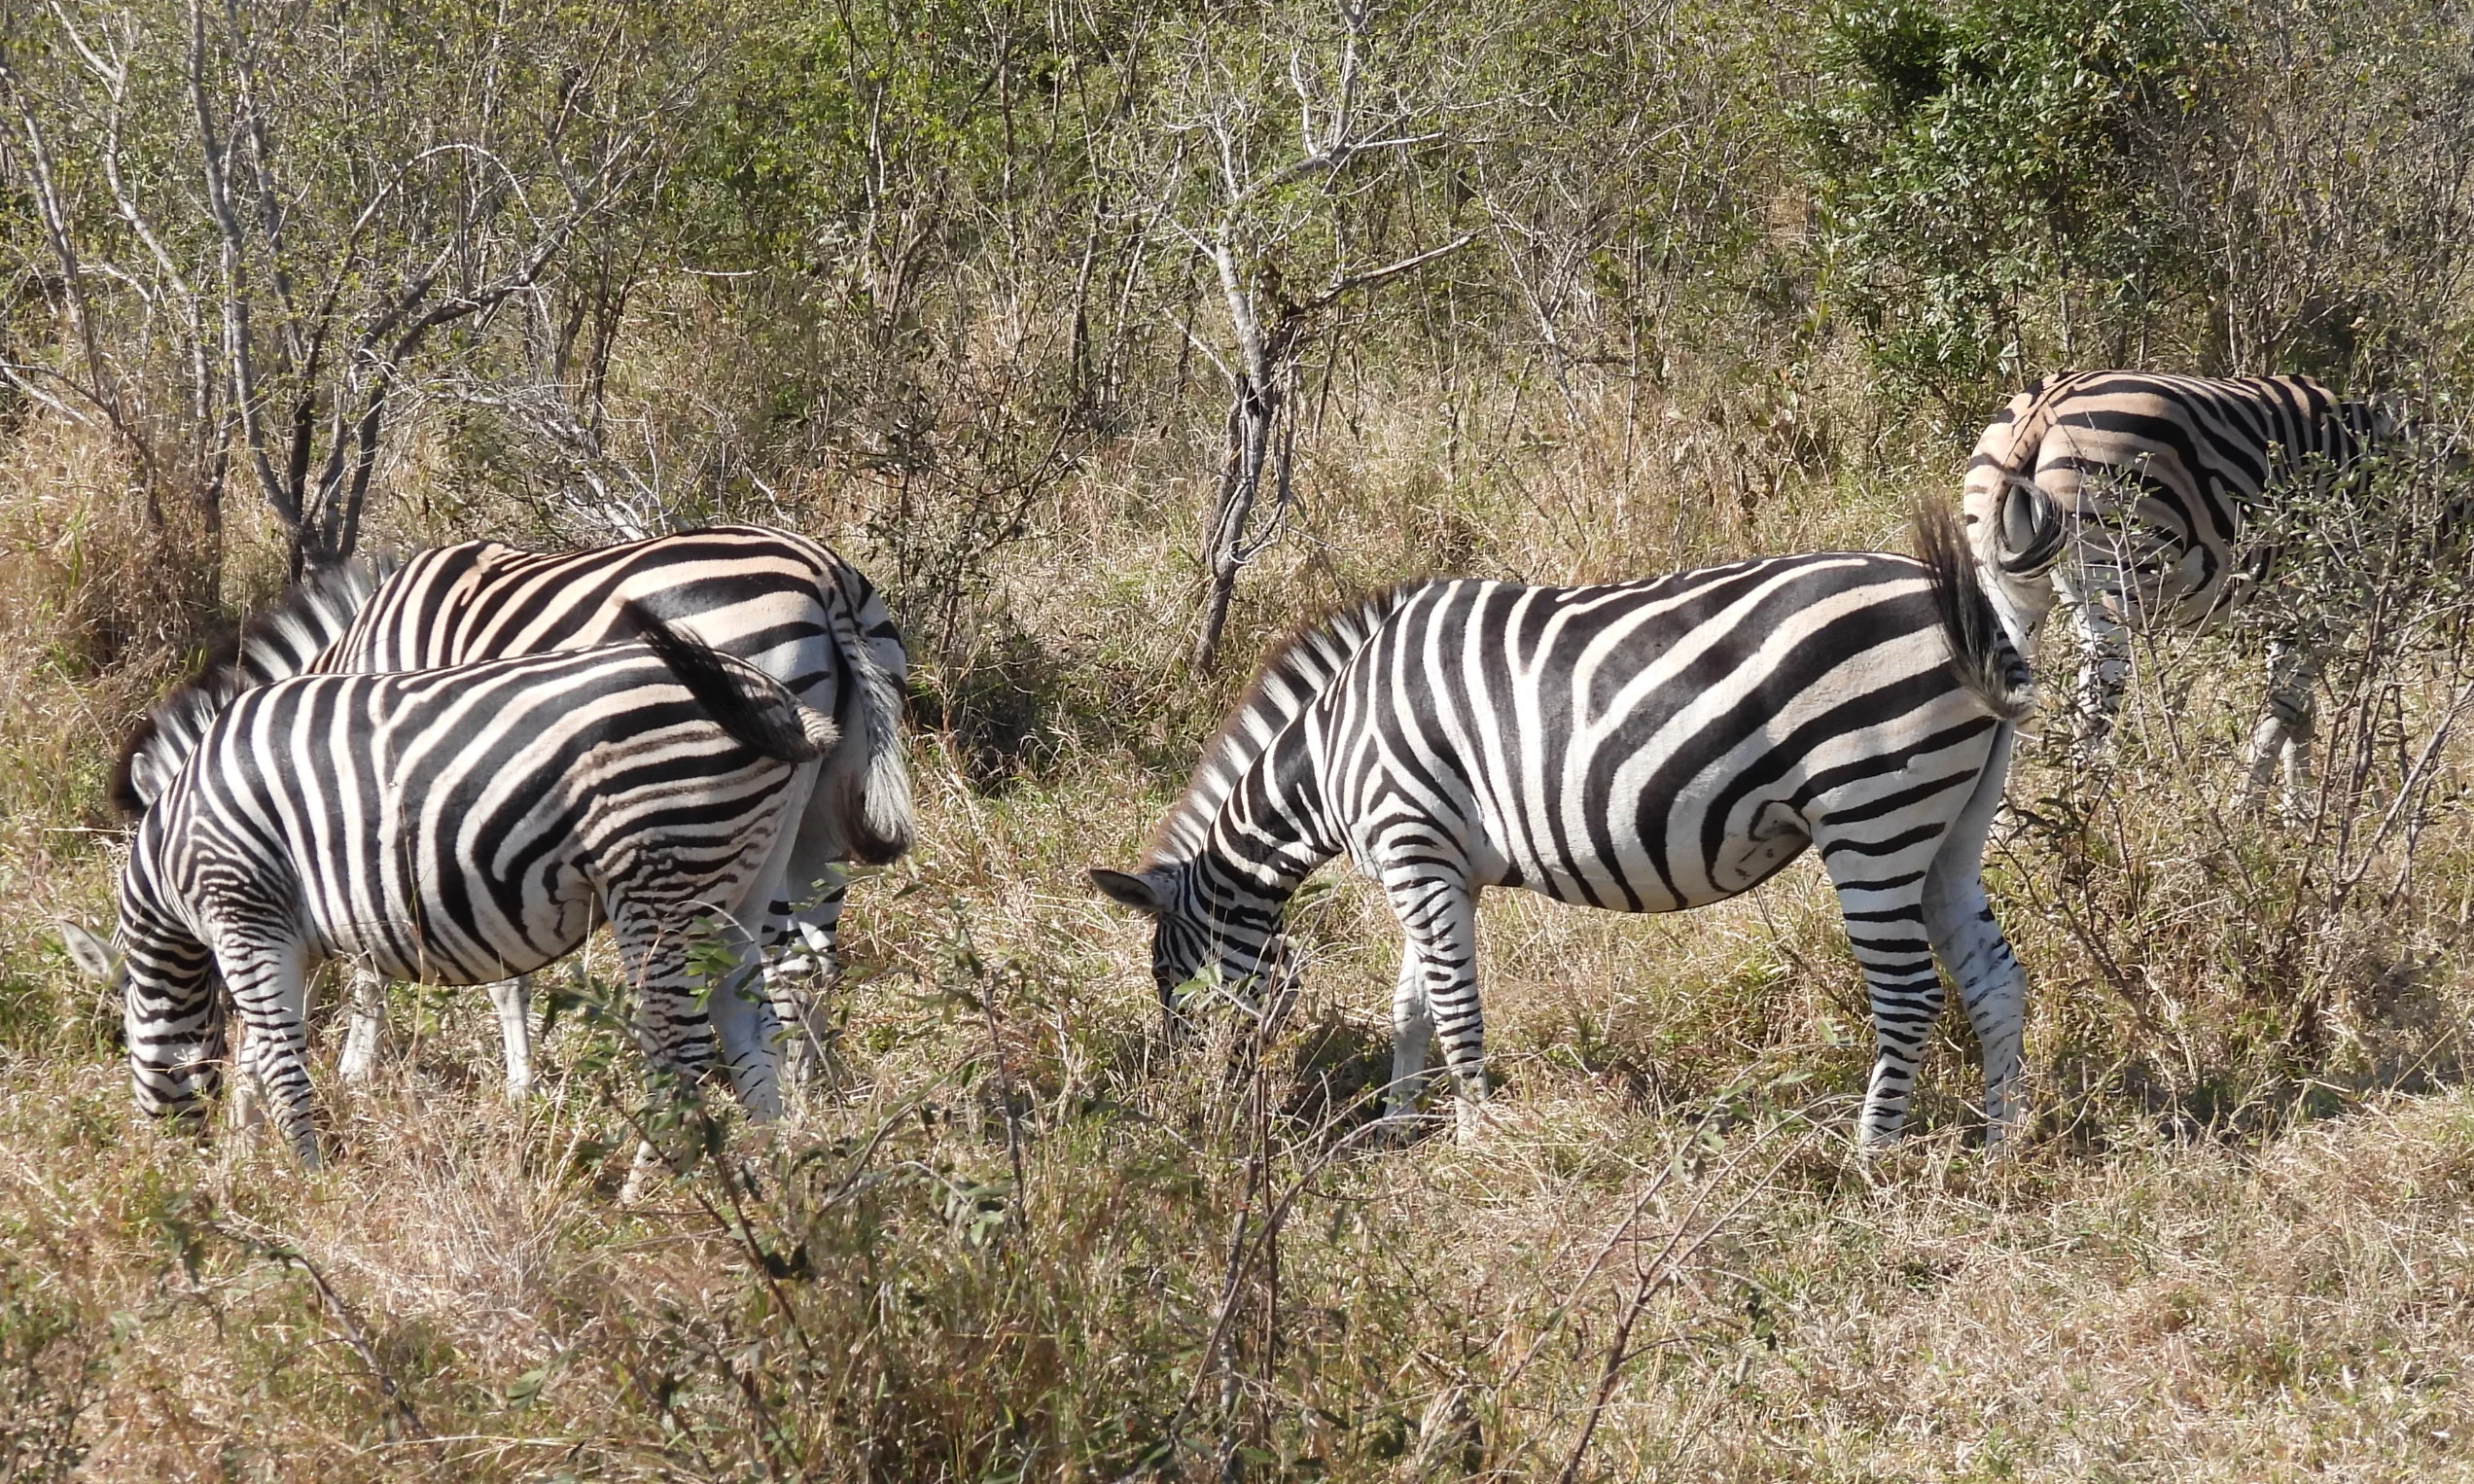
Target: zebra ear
x,y
1140,892
89,953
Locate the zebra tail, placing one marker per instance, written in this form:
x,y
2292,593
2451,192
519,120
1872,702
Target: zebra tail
x,y
757,710
1981,654
882,833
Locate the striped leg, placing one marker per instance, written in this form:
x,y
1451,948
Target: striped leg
x,y
366,1023
1412,1026
1438,916
750,1036
800,961
1883,898
512,1000
2105,670
676,1034
1970,944
270,983
676,1028
173,1018
2291,724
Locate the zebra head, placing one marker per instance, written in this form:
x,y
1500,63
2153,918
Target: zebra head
x,y
171,1015
1197,947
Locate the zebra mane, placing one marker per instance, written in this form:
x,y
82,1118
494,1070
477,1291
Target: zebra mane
x,y
1294,672
278,642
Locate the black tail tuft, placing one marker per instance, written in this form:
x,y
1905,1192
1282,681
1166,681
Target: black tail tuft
x,y
1981,654
752,706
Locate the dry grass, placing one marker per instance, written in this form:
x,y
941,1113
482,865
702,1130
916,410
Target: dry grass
x,y
2228,1256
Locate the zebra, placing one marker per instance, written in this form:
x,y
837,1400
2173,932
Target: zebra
x,y
2156,478
453,827
1645,747
780,601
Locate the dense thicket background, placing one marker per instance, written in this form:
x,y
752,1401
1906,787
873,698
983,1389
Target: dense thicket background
x,y
1110,339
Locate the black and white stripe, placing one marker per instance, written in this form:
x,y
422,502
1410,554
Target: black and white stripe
x,y
779,601
458,826
1646,747
2156,478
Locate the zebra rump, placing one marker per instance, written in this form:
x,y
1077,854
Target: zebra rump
x,y
2157,481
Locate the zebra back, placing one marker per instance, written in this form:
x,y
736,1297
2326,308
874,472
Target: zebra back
x,y
757,593
280,642
1294,672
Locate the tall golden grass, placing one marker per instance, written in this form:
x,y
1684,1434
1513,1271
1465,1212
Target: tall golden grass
x,y
1020,1237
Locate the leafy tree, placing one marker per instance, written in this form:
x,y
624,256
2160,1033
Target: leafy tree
x,y
1983,203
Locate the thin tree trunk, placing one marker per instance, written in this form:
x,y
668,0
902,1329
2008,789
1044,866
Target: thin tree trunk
x,y
1253,414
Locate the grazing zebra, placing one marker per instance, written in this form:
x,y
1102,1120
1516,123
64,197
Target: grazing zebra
x,y
2156,478
458,826
1646,747
779,601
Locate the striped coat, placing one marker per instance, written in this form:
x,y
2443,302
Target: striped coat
x,y
459,826
777,600
1646,747
2158,478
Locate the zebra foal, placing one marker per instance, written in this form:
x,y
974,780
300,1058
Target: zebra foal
x,y
1646,747
779,601
456,826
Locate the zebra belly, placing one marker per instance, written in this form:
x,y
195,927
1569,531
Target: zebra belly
x,y
471,933
1620,870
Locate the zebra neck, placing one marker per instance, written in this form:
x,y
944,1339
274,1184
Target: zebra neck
x,y
1270,833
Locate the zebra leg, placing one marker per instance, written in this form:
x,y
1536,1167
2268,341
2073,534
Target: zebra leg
x,y
743,1020
365,1021
800,959
675,1032
513,999
1882,900
672,1031
1438,911
2295,695
271,984
2289,725
1412,1026
676,1036
1968,942
243,1107
2105,670
741,1004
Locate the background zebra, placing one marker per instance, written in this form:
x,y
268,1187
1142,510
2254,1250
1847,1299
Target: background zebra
x,y
1645,747
458,826
2156,478
784,603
